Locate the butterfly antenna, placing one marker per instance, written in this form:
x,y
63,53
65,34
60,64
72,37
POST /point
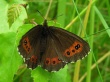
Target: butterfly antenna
x,y
45,21
97,32
57,16
41,14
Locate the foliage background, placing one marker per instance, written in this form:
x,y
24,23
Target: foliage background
x,y
89,19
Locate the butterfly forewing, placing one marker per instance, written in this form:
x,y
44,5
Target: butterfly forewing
x,y
29,46
70,47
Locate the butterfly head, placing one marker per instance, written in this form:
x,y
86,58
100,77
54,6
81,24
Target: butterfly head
x,y
45,23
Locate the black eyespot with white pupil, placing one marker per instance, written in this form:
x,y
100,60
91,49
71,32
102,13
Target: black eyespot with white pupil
x,y
77,46
25,42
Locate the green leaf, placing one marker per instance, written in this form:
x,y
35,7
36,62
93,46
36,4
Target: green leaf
x,y
3,17
16,16
22,30
103,20
10,60
23,75
13,13
40,75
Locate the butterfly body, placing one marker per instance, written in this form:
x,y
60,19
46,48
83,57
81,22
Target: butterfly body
x,y
51,47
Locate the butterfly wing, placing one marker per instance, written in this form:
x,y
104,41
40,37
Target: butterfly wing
x,y
37,47
51,47
27,44
50,60
69,46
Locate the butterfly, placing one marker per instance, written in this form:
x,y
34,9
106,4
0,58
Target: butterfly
x,y
51,47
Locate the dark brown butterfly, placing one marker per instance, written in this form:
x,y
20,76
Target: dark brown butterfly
x,y
51,47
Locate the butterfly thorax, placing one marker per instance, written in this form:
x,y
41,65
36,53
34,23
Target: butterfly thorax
x,y
43,40
45,24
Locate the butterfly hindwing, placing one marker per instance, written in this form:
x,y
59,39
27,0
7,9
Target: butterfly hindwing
x,y
50,60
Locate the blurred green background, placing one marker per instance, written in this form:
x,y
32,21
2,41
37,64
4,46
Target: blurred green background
x,y
90,19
